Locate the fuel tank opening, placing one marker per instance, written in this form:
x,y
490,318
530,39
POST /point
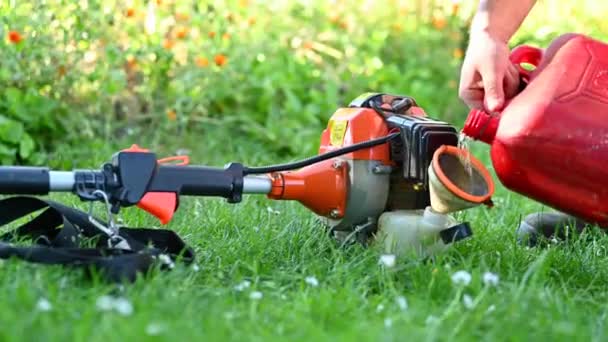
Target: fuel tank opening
x,y
455,186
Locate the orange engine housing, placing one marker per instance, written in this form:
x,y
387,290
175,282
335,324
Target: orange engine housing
x,y
349,126
324,187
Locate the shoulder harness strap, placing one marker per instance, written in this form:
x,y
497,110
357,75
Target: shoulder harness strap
x,y
62,235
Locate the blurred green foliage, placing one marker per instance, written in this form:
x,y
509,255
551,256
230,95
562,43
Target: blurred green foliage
x,y
77,71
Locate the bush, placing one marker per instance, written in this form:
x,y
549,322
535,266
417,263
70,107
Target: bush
x,y
73,72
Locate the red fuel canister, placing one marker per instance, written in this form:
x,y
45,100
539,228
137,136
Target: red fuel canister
x,y
550,142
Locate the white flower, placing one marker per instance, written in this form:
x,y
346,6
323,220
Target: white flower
x,y
105,303
272,211
467,301
379,308
388,322
43,305
461,278
154,329
491,308
312,281
123,306
245,284
388,260
402,302
120,305
196,268
256,295
490,278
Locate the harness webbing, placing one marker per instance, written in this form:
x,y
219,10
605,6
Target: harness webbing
x,y
62,235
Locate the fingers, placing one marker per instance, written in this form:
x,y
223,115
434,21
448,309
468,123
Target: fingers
x,y
488,79
471,87
511,83
473,98
493,79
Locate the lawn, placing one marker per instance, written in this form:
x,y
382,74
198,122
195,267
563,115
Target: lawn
x,y
265,270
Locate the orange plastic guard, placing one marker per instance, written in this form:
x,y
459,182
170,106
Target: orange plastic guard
x,y
160,204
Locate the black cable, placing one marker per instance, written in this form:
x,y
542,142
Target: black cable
x,y
321,157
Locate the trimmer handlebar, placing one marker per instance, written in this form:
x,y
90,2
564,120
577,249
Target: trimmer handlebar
x,y
136,178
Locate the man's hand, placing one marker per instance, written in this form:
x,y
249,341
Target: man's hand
x,y
487,78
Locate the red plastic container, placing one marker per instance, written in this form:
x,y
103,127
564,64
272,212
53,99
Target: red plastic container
x,y
550,142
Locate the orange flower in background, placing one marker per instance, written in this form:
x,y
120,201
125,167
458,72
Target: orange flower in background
x,y
439,22
220,60
202,62
181,33
455,8
457,53
130,12
307,45
211,34
171,115
251,21
168,44
226,36
15,37
131,62
159,2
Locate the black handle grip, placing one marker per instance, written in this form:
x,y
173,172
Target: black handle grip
x,y
24,180
200,181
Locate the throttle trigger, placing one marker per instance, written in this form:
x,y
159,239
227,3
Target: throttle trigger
x,y
160,204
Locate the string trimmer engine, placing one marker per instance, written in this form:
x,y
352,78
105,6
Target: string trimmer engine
x,y
387,184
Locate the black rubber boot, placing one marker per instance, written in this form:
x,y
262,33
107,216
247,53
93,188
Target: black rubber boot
x,y
548,225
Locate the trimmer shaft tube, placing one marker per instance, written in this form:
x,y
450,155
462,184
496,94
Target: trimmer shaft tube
x,y
24,180
257,185
62,180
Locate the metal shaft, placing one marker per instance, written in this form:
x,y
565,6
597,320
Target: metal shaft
x,y
61,180
257,185
64,181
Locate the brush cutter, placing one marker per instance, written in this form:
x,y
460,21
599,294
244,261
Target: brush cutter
x,y
385,172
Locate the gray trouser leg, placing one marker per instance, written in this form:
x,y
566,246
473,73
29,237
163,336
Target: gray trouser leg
x,y
547,224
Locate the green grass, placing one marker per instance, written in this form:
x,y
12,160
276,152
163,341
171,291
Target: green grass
x,y
83,73
553,293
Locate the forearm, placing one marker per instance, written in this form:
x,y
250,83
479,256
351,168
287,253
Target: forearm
x,y
501,18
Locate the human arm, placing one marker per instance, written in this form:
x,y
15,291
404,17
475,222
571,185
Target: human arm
x,y
487,76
